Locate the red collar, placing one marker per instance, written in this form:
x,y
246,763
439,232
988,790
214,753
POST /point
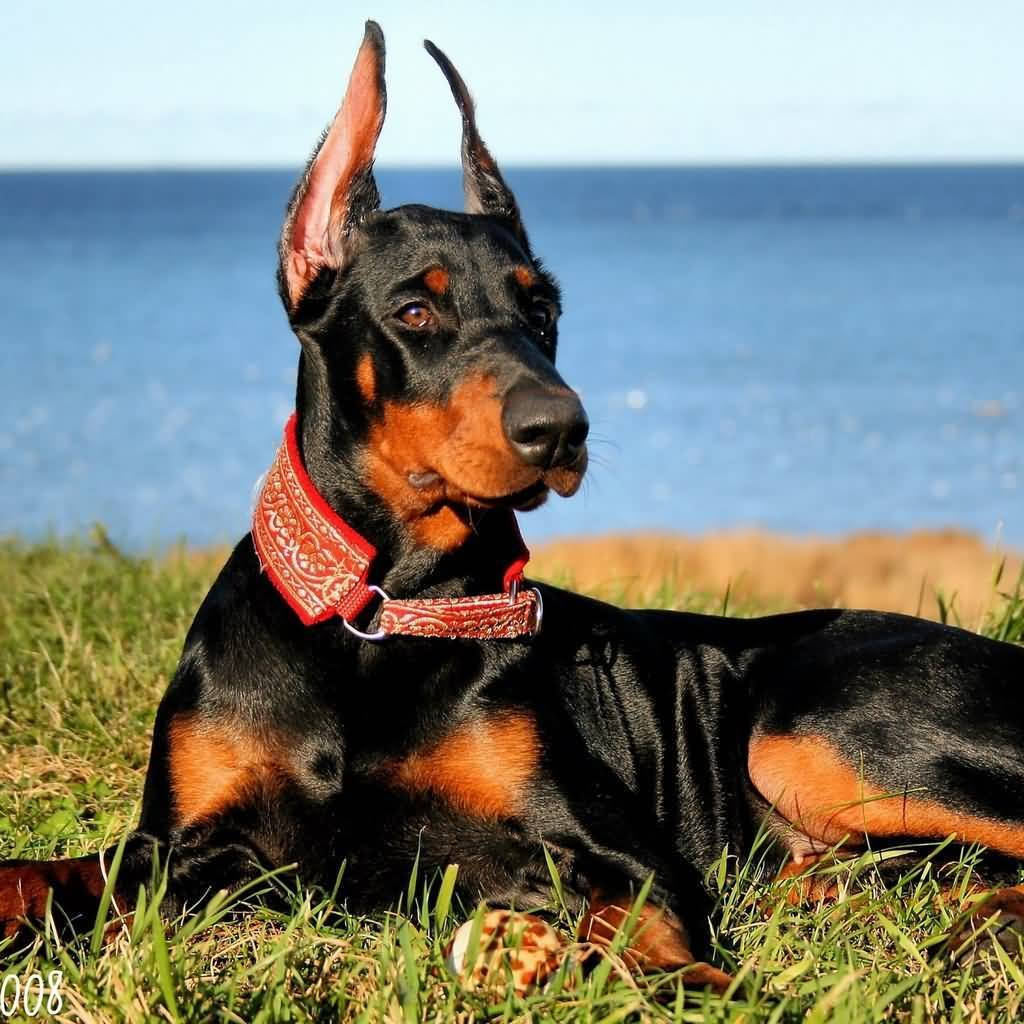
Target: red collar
x,y
320,566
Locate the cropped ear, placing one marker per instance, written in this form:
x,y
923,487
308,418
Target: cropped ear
x,y
337,189
486,191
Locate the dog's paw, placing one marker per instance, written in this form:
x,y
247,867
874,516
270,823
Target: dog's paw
x,y
518,951
803,882
995,920
657,945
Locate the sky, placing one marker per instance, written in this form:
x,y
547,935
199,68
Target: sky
x,y
226,84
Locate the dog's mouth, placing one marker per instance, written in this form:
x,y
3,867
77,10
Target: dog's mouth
x,y
563,480
445,492
523,500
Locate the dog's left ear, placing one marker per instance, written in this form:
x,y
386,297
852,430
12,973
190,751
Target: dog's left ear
x,y
338,188
486,191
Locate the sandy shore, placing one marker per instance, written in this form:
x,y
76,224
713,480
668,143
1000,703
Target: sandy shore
x,y
892,572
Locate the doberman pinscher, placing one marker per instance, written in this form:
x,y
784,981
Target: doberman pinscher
x,y
371,680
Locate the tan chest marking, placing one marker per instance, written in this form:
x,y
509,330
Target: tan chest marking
x,y
482,768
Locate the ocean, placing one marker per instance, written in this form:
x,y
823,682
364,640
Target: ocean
x,y
799,349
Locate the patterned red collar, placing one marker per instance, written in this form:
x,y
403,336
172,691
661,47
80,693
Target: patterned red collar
x,y
320,566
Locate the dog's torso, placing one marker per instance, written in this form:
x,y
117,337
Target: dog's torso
x,y
618,739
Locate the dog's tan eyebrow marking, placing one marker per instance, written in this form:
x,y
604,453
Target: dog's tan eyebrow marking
x,y
437,280
524,275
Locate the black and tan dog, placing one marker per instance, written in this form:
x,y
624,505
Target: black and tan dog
x,y
370,680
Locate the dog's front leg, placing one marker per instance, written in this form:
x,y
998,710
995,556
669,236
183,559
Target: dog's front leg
x,y
72,886
657,939
198,863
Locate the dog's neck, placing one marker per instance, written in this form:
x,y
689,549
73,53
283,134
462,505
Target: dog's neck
x,y
403,566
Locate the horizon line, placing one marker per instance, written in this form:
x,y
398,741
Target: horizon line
x,y
770,163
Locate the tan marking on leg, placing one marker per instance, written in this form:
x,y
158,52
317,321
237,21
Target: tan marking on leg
x,y
995,918
482,768
808,887
77,884
214,767
811,786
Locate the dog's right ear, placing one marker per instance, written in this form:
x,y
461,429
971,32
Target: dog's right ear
x,y
337,188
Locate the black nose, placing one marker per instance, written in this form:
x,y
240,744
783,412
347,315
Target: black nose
x,y
547,428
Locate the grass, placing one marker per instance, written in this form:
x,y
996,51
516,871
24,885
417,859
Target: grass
x,y
88,639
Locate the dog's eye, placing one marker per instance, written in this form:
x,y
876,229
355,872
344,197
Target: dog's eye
x,y
416,315
541,315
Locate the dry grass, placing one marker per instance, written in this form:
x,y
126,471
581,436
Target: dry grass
x,y
915,573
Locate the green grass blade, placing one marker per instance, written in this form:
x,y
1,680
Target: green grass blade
x,y
409,986
165,977
443,903
556,882
100,926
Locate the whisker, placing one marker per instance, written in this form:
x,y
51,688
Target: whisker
x,y
601,440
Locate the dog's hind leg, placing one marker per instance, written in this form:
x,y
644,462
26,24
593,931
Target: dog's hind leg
x,y
830,801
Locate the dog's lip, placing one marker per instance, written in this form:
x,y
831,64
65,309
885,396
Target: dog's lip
x,y
434,484
564,480
523,499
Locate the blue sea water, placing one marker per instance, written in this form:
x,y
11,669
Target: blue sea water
x,y
802,349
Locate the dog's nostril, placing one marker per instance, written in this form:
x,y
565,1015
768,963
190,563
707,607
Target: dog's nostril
x,y
578,434
529,435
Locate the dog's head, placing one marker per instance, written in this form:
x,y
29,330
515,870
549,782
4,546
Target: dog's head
x,y
428,336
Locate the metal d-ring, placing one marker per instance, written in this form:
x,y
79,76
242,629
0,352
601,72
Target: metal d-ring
x,y
513,593
381,633
539,617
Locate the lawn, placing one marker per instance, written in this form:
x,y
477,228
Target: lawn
x,y
88,639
